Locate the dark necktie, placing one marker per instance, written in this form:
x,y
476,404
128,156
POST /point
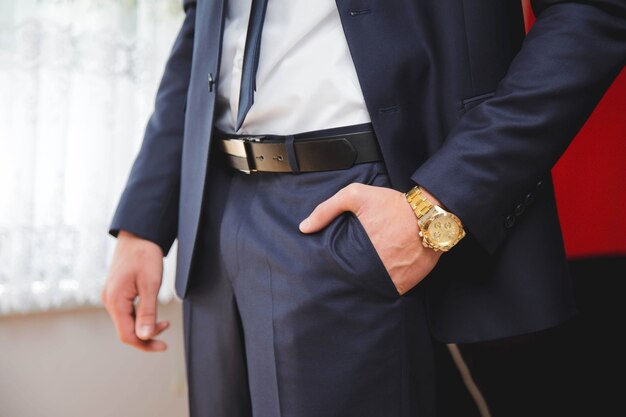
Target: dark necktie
x,y
251,59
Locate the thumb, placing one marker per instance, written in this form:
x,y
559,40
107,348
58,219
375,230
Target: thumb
x,y
146,312
344,200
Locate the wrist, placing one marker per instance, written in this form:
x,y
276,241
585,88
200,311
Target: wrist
x,y
439,229
123,234
129,239
431,198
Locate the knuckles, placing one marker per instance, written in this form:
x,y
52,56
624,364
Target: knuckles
x,y
352,191
146,314
148,286
127,339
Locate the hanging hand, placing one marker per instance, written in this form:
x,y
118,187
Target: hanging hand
x,y
136,271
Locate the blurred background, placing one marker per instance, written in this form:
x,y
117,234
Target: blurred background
x,y
77,85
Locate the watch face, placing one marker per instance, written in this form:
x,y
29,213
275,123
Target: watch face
x,y
444,231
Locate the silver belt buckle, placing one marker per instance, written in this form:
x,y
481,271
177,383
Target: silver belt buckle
x,y
239,152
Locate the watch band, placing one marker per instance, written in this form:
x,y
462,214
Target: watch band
x,y
418,202
447,229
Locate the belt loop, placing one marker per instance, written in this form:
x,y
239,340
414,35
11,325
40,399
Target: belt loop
x,y
291,154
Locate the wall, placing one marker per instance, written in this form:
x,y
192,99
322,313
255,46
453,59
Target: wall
x,y
71,364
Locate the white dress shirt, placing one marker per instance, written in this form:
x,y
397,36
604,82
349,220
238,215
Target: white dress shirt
x,y
306,78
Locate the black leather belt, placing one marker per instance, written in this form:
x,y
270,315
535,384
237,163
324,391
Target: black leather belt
x,y
305,154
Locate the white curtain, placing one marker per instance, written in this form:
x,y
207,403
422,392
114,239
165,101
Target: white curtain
x,y
77,84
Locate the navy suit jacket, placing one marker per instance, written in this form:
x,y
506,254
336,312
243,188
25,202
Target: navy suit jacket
x,y
462,103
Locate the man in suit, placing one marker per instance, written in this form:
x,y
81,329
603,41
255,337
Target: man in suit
x,y
358,125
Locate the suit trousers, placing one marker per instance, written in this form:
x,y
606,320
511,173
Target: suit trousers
x,y
282,324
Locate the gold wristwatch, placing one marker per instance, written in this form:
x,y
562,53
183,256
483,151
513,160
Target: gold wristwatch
x,y
439,229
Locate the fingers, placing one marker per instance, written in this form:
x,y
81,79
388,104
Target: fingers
x,y
346,199
161,326
122,313
146,311
124,318
153,345
135,276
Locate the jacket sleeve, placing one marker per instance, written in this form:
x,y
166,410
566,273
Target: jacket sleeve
x,y
148,206
500,150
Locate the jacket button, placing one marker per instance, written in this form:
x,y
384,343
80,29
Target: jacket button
x,y
530,197
509,221
539,185
519,209
211,82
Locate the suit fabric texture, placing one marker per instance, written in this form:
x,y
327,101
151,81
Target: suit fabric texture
x,y
278,323
461,102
